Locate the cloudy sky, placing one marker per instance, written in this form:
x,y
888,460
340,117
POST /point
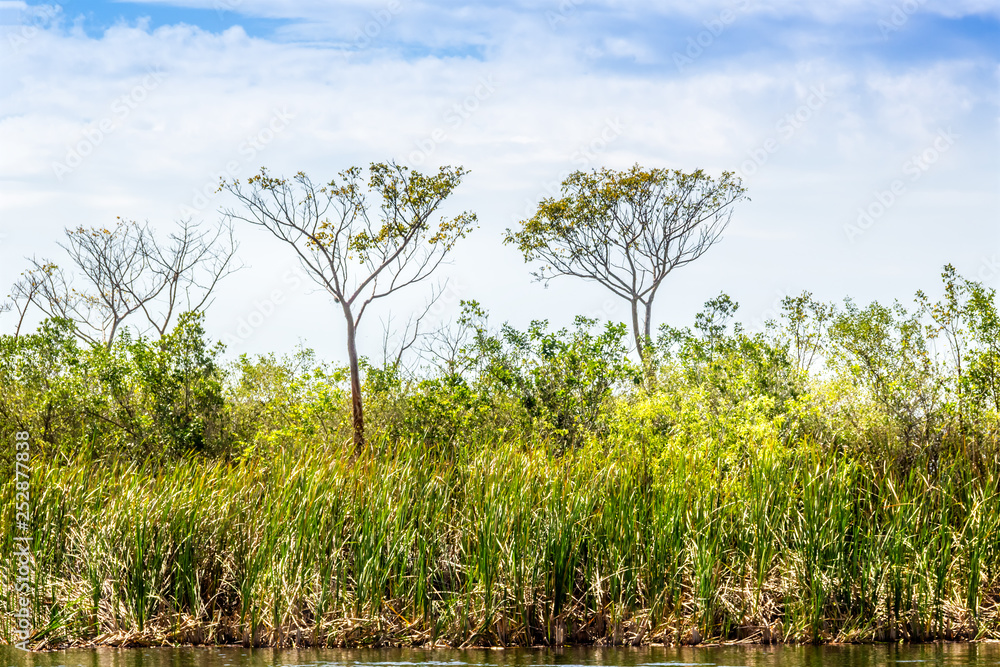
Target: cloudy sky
x,y
867,134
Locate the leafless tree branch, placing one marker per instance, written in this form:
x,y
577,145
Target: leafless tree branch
x,y
125,270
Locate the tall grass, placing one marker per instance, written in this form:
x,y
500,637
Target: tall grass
x,y
502,544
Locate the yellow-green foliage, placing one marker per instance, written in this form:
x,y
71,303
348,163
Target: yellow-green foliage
x,y
828,479
504,543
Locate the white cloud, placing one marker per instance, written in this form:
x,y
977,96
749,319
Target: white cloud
x,y
549,111
832,10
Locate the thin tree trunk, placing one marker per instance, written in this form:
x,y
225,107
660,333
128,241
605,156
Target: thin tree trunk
x,y
647,360
111,336
644,339
636,332
357,409
20,322
648,321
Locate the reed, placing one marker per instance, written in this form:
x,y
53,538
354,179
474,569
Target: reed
x,y
503,544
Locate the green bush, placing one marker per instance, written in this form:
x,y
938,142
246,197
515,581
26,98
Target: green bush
x,y
138,398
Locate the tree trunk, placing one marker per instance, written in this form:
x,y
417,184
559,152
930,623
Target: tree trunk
x,y
648,321
20,320
111,336
637,332
357,409
643,336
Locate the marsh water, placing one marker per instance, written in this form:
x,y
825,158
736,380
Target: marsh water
x,y
930,655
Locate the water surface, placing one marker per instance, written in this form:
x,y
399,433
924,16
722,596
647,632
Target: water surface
x,y
931,655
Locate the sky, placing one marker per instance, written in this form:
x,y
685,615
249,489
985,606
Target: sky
x,y
866,133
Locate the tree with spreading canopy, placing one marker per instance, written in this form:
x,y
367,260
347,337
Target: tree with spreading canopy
x,y
358,250
627,230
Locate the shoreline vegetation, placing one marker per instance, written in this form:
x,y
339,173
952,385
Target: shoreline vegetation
x,y
832,478
509,549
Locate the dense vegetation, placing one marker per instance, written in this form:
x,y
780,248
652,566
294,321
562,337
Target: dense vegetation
x,y
834,477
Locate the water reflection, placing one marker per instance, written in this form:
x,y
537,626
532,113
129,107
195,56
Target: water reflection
x,y
930,655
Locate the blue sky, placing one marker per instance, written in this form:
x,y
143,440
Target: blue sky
x,y
470,29
821,107
95,18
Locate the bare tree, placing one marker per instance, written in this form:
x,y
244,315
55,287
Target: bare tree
x,y
24,292
127,270
395,345
627,230
115,263
188,271
358,252
47,287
